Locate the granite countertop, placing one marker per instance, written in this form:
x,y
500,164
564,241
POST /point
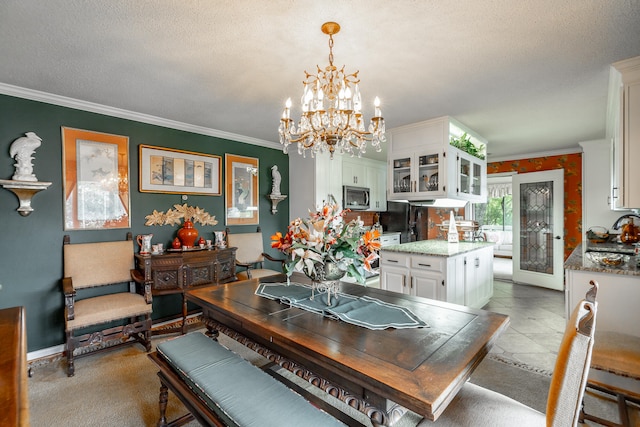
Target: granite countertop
x,y
436,247
581,260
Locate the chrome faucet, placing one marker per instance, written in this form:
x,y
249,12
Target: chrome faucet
x,y
616,225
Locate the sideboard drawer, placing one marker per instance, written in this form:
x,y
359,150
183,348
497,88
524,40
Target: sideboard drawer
x,y
197,274
168,278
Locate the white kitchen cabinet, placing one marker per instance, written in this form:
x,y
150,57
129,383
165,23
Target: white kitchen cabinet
x,y
367,173
465,279
415,174
377,181
395,274
453,287
618,297
428,276
478,277
354,172
388,239
423,165
312,182
469,173
623,130
596,202
413,275
426,285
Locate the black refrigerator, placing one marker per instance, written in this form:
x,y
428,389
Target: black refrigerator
x,y
410,221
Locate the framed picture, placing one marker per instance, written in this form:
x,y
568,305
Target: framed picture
x,y
96,180
241,190
164,170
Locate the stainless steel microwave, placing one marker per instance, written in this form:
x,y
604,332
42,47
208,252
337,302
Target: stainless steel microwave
x,y
355,198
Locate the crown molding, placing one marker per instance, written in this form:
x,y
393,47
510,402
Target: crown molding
x,y
77,104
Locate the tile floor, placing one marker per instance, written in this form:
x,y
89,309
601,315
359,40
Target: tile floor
x,y
537,323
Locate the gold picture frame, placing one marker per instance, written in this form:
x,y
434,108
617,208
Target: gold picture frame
x,y
166,170
241,190
95,169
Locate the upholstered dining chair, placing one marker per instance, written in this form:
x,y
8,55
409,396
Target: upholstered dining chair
x,y
477,406
250,256
96,297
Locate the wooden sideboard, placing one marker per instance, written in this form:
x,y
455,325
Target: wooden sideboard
x,y
177,272
14,397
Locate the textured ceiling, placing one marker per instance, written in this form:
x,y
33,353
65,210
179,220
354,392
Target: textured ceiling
x,y
529,76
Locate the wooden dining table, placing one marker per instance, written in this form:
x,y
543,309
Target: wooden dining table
x,y
382,373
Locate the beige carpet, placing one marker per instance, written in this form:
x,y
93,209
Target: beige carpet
x,y
120,388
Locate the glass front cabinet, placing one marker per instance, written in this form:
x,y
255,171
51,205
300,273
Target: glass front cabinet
x,y
423,165
470,174
416,173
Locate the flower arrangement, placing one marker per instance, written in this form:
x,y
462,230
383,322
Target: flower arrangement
x,y
325,237
174,216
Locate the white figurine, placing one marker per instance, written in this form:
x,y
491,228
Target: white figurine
x,y
275,186
22,149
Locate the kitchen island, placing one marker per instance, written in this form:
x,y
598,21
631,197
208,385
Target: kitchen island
x,y
460,273
618,293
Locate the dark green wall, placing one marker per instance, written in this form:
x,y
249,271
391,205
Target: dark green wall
x,y
31,247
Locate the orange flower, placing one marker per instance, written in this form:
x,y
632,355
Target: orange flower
x,y
369,259
371,240
277,240
281,242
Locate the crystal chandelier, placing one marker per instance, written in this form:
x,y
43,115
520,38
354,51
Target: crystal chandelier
x,y
331,113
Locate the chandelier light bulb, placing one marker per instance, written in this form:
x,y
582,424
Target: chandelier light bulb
x,y
338,126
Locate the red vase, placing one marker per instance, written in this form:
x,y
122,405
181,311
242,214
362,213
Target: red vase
x,y
176,243
187,234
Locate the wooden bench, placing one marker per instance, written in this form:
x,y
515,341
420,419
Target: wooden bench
x,y
220,388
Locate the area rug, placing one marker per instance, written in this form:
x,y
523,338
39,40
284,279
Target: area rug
x,y
121,388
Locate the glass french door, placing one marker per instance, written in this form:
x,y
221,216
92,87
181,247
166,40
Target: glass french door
x,y
538,228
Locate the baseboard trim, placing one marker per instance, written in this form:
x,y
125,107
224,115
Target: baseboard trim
x,y
45,352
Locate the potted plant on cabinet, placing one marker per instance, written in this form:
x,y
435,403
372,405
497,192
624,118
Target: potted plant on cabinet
x,y
464,143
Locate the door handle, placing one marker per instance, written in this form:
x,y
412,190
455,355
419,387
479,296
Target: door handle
x,y
558,238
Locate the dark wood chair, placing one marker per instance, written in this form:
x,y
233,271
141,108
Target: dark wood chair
x,y
96,276
250,256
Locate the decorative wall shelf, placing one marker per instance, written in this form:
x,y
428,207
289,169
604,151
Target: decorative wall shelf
x,y
25,191
275,199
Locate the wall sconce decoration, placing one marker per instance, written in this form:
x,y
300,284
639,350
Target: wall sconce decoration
x,y
24,183
275,196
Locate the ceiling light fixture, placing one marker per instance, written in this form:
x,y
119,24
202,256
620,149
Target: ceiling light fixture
x,y
331,113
